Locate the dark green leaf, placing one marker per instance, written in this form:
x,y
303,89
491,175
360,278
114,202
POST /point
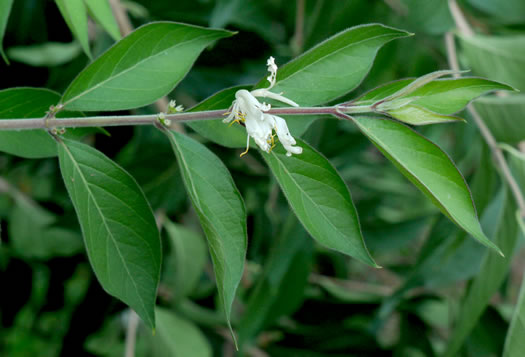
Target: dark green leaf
x,y
334,67
488,281
506,12
31,103
427,167
281,286
220,209
320,199
118,226
141,68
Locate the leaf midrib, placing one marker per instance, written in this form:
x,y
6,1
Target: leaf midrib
x,y
90,193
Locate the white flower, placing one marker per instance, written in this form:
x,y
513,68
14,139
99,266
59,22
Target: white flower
x,y
174,108
259,124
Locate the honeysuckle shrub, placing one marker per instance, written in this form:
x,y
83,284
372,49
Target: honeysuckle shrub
x,y
307,122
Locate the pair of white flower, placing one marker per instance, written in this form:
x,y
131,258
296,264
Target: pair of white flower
x,y
259,124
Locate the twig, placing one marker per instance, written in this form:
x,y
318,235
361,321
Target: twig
x,y
131,334
152,119
463,26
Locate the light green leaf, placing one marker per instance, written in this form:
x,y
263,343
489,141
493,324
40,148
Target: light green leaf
x,y
504,116
443,96
515,340
178,337
416,115
31,103
320,199
45,54
5,10
506,12
220,209
101,11
74,13
501,58
334,67
427,167
118,226
141,68
488,280
33,234
185,265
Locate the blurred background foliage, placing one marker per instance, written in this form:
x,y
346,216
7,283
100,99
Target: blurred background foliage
x,y
438,291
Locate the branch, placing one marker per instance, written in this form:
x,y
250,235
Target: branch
x,y
51,122
463,27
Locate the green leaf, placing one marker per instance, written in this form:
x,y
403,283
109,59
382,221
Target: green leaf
x,y
515,340
220,209
45,54
504,116
501,58
34,235
178,337
74,13
141,68
427,167
118,226
313,78
5,10
280,288
101,11
416,115
488,280
320,199
233,136
185,265
334,67
506,12
436,15
443,96
31,103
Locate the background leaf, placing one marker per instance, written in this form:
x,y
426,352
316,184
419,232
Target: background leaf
x,y
5,10
515,340
118,226
178,337
489,279
140,68
427,167
101,11
220,209
504,116
320,199
46,54
74,13
501,58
